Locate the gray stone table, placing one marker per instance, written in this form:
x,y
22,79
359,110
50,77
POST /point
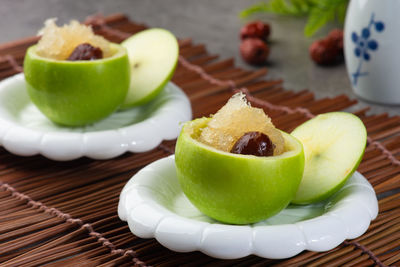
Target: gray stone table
x,y
213,22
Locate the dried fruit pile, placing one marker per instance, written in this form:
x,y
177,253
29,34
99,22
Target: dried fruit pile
x,y
253,48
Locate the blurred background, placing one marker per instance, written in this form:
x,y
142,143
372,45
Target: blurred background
x,y
214,23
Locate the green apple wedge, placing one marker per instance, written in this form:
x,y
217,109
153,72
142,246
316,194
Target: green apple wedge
x,y
76,93
334,145
234,188
153,56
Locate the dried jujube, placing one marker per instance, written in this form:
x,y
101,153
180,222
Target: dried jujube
x,y
254,51
254,143
85,51
328,51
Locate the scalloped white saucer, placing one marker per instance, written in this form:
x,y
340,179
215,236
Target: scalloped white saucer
x,y
154,205
25,131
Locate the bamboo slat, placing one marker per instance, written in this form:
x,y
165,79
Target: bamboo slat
x,y
50,216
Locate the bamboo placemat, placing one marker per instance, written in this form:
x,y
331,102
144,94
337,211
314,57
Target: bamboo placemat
x,y
65,213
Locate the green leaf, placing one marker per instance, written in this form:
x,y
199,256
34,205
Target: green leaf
x,y
281,7
257,8
341,12
302,6
317,19
319,12
325,11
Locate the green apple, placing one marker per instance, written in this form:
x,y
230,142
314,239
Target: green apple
x,y
233,188
153,55
75,93
334,145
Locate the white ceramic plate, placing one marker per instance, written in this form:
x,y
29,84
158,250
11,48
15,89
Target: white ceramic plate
x,y
154,205
25,131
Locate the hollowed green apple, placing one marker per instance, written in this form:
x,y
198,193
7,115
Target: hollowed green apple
x,y
153,55
75,93
334,145
232,188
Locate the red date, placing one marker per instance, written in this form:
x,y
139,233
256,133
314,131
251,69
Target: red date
x,y
255,29
254,143
86,51
254,51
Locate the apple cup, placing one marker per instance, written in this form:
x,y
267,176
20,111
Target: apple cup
x,y
233,188
75,93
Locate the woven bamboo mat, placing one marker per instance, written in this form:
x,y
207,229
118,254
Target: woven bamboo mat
x,y
65,213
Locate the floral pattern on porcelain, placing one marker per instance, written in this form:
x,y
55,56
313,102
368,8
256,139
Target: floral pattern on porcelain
x,y
365,45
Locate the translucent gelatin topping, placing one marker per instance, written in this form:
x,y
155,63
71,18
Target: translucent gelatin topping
x,y
235,119
59,42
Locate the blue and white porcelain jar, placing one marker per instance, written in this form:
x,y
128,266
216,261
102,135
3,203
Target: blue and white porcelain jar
x,y
372,49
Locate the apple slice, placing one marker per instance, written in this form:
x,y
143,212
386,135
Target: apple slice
x,y
334,145
153,55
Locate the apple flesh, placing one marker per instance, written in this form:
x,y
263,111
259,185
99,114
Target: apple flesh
x,y
153,55
233,188
334,145
75,93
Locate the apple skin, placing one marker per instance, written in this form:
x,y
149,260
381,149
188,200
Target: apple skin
x,y
330,192
153,94
316,192
232,188
150,55
75,93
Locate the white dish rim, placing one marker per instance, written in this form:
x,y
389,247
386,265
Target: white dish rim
x,y
349,218
100,145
